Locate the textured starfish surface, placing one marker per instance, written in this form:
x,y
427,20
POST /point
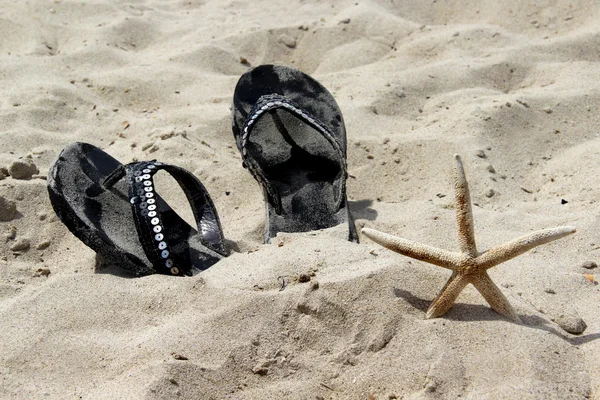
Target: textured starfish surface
x,y
468,265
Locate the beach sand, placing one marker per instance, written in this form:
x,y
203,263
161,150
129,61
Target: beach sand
x,y
513,87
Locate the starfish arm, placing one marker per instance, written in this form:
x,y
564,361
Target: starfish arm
x,y
464,212
422,252
447,296
521,245
492,294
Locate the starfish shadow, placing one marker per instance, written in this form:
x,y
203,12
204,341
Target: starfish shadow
x,y
579,340
537,322
416,302
477,312
460,312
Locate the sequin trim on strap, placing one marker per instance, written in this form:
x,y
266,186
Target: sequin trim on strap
x,y
271,102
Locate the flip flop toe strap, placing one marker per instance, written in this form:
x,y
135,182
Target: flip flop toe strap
x,y
166,244
275,101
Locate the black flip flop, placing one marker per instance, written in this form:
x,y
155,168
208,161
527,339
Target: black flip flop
x,y
114,209
292,138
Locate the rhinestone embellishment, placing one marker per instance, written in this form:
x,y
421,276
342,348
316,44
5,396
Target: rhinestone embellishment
x,y
146,204
271,102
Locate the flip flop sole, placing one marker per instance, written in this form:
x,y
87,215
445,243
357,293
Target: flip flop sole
x,y
298,153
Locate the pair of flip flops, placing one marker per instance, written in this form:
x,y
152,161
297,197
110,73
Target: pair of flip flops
x,y
292,139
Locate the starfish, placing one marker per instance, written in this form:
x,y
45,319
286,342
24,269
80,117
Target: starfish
x,y
468,266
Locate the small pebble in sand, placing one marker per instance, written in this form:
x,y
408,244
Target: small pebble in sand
x,y
571,323
288,41
42,272
345,21
21,244
283,282
11,233
8,209
304,278
523,103
178,356
260,370
549,291
490,193
147,146
548,110
480,153
430,386
22,169
490,168
43,245
589,265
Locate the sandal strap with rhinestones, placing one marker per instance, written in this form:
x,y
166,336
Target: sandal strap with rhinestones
x,y
166,245
274,101
115,210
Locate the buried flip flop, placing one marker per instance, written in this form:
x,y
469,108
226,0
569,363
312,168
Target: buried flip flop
x,y
114,209
292,138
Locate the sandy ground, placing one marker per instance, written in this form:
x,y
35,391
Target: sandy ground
x,y
514,87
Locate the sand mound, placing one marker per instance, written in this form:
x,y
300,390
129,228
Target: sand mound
x,y
511,87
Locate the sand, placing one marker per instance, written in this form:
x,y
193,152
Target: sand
x,y
513,87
